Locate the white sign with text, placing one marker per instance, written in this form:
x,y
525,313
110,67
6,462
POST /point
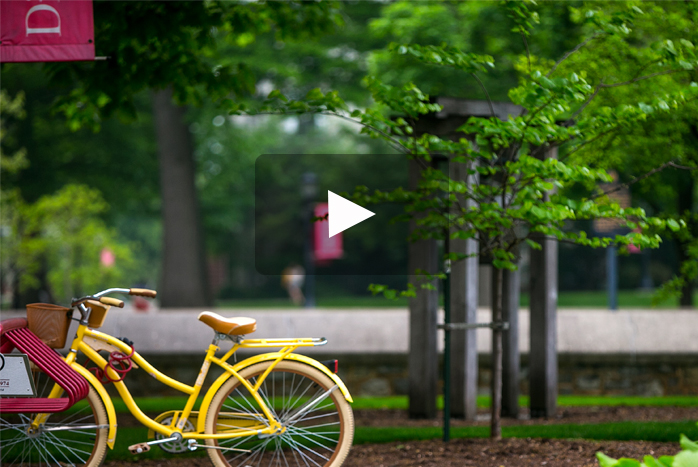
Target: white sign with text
x,y
15,376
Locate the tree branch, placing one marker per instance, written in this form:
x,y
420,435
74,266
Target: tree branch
x,y
567,55
600,135
640,78
644,176
615,85
394,142
528,52
581,109
487,95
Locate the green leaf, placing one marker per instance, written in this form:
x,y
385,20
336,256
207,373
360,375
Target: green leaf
x,y
626,462
276,94
688,445
667,461
605,461
687,44
533,245
673,225
314,93
650,461
686,459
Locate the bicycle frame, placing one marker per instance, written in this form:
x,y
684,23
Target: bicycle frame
x,y
287,346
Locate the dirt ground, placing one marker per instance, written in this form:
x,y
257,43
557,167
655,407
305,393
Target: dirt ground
x,y
472,452
485,453
509,452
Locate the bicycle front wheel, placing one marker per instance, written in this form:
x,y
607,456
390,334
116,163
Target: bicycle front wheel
x,y
75,437
317,421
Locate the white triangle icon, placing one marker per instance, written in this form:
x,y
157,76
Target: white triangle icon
x,y
344,214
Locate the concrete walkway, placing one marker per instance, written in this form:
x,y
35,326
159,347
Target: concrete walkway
x,y
376,331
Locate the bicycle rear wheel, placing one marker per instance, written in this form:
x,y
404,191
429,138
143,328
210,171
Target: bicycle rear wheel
x,y
75,437
318,421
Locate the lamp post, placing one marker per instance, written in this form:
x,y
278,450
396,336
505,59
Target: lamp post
x,y
308,193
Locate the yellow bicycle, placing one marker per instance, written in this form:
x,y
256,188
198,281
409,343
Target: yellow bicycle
x,y
274,409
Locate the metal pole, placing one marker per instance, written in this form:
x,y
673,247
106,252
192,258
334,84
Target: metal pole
x,y
308,192
612,277
447,351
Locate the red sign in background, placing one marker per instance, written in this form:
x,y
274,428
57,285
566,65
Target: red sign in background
x,y
325,248
46,31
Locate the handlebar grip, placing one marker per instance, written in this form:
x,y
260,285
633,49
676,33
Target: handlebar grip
x,y
143,292
111,301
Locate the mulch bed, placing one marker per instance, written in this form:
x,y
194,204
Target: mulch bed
x,y
509,452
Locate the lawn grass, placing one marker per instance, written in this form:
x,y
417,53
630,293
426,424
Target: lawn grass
x,y
401,402
577,299
620,431
162,404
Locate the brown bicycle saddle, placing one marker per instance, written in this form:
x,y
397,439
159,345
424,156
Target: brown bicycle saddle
x,y
233,326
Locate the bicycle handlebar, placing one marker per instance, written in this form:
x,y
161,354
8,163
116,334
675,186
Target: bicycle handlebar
x,y
113,301
143,293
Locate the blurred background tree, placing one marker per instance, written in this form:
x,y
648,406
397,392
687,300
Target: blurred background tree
x,y
59,245
663,138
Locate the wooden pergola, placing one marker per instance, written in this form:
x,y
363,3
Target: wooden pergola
x,y
423,357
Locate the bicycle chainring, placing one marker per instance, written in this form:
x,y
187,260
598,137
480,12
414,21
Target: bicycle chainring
x,y
174,447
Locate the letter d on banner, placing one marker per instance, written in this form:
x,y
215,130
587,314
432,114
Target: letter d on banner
x,y
46,31
54,30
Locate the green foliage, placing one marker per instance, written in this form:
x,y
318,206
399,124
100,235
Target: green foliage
x,y
688,457
521,194
476,27
665,35
63,234
12,108
175,44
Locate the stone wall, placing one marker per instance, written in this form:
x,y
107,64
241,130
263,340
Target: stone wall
x,y
637,352
386,374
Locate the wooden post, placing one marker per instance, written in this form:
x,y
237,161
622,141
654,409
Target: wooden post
x,y
464,299
543,354
511,358
423,357
464,284
496,409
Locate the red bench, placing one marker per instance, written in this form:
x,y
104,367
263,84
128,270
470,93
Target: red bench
x,y
15,334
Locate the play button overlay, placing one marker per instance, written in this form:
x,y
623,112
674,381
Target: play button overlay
x,y
306,216
343,214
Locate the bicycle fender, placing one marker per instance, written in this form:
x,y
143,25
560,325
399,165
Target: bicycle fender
x,y
108,404
201,425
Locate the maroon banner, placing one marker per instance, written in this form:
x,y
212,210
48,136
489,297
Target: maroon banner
x,y
46,31
325,248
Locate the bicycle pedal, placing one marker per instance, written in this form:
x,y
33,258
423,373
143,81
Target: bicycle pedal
x,y
139,448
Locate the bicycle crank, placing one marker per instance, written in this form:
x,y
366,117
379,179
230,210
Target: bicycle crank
x,y
193,446
140,448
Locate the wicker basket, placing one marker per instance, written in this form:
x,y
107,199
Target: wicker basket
x,y
50,323
98,313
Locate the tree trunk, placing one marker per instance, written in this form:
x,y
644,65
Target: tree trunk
x,y
184,276
495,426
